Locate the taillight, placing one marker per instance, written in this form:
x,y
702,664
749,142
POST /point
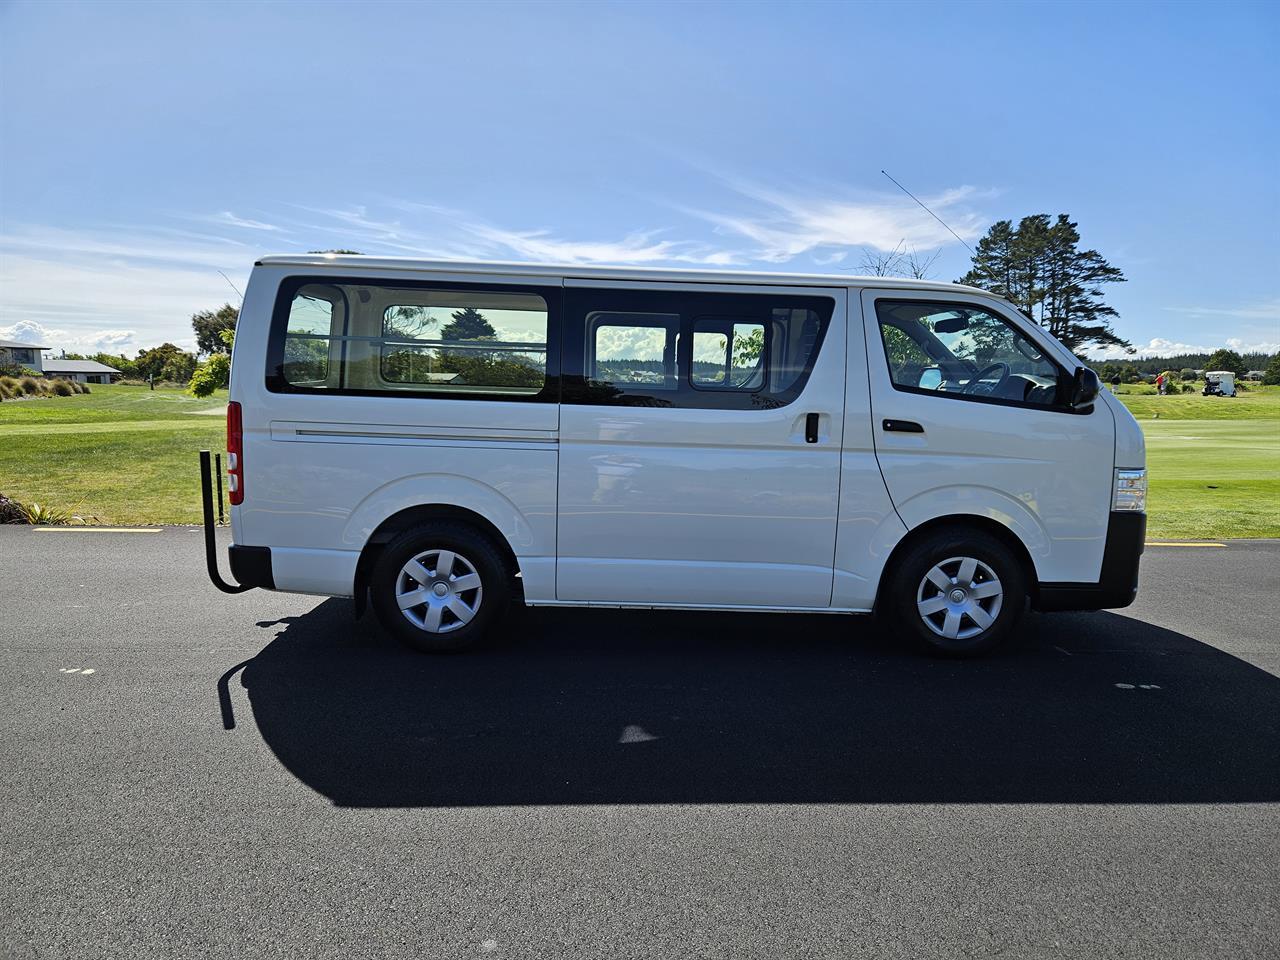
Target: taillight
x,y
235,454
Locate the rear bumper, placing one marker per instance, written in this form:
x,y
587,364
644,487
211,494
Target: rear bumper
x,y
1118,585
251,566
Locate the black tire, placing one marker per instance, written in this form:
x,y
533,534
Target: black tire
x,y
906,588
476,551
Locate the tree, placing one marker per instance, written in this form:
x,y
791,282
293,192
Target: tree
x,y
468,324
1039,267
166,362
1271,375
901,261
1227,360
209,323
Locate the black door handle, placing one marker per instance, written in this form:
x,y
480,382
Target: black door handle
x,y
811,428
902,426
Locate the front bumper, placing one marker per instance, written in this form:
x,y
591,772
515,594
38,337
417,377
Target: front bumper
x,y
1118,585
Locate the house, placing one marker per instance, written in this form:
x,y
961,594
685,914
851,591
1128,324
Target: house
x,y
1254,375
23,354
83,371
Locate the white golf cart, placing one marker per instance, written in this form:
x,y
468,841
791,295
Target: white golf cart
x,y
1219,383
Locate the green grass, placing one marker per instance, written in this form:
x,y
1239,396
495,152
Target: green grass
x,y
119,454
1213,463
128,455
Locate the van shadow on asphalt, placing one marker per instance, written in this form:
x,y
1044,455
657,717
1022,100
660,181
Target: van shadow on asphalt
x,y
583,707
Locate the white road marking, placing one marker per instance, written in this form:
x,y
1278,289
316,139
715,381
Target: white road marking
x,y
1124,686
1163,543
1065,653
489,946
90,670
43,529
633,734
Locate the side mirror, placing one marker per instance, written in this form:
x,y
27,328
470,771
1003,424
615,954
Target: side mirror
x,y
1085,387
930,378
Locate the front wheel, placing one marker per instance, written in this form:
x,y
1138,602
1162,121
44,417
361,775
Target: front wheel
x,y
958,593
438,587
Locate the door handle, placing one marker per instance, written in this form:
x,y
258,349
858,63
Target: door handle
x,y
811,428
902,426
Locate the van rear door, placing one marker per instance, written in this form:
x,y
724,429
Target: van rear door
x,y
700,444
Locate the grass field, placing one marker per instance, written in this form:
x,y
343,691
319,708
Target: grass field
x,y
1213,463
116,455
128,455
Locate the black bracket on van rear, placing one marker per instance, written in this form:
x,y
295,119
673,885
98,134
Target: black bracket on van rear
x,y
210,545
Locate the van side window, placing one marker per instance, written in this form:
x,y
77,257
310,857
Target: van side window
x,y
426,338
633,348
727,354
964,352
669,348
315,315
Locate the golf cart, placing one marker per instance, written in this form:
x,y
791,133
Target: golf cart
x,y
1219,383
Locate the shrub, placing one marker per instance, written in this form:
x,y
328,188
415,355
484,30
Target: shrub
x,y
28,385
5,392
76,386
84,388
61,388
11,511
8,383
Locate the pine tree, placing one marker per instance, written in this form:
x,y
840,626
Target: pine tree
x,y
1039,267
468,324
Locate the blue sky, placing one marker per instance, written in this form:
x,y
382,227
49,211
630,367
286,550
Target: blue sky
x,y
145,147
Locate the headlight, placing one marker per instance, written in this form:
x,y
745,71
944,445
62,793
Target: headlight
x,y
1130,491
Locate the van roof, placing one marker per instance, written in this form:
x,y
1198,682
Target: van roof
x,y
333,261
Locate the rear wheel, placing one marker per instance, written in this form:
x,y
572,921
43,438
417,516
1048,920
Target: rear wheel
x,y
958,592
438,587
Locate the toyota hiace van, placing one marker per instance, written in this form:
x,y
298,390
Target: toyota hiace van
x,y
437,439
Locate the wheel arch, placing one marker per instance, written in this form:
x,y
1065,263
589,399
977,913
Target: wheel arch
x,y
416,516
960,522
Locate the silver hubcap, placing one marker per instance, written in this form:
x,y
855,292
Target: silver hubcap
x,y
959,598
439,591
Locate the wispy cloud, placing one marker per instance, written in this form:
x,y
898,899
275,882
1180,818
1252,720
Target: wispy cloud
x,y
112,288
228,219
1266,310
825,223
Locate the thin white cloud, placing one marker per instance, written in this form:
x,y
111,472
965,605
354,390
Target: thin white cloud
x,y
1162,347
640,247
229,219
787,225
113,289
1266,310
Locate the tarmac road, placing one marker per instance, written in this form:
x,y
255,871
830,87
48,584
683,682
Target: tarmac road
x,y
189,774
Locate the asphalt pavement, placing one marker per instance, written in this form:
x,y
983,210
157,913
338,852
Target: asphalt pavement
x,y
190,774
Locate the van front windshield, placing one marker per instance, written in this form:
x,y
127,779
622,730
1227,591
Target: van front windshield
x,y
956,349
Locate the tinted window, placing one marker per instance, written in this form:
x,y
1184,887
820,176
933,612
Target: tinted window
x,y
959,350
727,354
421,338
667,348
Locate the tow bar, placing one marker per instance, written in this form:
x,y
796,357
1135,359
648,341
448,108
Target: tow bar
x,y
210,546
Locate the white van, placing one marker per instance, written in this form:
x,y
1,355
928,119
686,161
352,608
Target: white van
x,y
440,438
